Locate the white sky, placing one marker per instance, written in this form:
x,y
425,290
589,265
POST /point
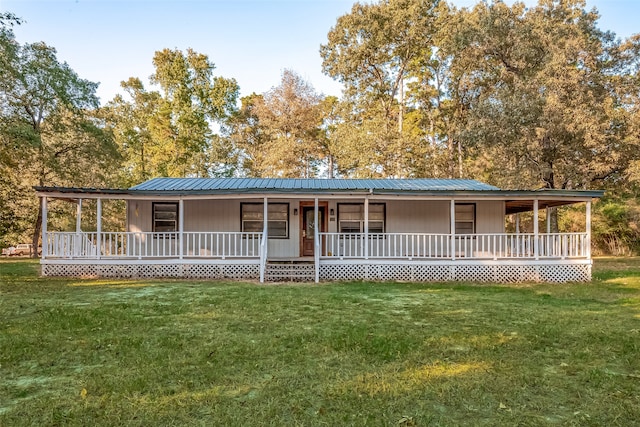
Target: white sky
x,y
253,41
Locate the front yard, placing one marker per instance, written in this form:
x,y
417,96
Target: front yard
x,y
132,352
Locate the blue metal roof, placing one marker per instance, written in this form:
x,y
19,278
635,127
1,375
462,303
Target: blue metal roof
x,y
291,185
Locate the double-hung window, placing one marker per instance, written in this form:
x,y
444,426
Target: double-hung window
x,y
165,217
351,217
252,219
465,218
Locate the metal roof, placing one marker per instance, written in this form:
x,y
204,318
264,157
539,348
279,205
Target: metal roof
x,y
290,185
515,200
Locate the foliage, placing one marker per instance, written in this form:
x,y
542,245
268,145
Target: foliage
x,y
519,97
370,50
114,352
170,132
50,132
278,133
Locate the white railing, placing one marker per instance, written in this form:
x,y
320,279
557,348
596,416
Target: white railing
x,y
153,245
466,246
327,245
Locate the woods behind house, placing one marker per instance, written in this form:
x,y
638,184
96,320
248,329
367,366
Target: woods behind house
x,y
527,98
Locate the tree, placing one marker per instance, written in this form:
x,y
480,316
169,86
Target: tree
x,y
279,133
247,134
192,101
49,126
370,50
129,121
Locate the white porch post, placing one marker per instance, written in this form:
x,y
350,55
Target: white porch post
x,y
536,231
588,227
181,227
99,228
453,229
265,218
77,241
44,228
366,227
517,223
265,239
79,217
316,236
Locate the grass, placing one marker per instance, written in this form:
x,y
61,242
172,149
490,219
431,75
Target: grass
x,y
165,352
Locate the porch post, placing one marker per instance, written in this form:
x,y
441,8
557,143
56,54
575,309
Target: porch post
x,y
366,227
536,231
316,236
265,217
588,227
517,223
264,244
180,227
453,229
99,228
77,240
44,228
79,217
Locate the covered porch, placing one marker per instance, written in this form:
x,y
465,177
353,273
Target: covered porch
x,y
360,235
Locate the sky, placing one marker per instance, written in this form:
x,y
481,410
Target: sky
x,y
253,41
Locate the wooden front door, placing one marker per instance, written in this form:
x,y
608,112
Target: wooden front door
x,y
308,228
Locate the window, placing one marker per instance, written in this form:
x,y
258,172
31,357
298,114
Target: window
x,y
351,217
252,218
165,217
465,218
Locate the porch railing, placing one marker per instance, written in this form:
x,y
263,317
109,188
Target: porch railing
x,y
331,245
460,246
153,245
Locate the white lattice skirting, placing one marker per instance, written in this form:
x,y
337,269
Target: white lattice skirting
x,y
149,271
511,273
497,273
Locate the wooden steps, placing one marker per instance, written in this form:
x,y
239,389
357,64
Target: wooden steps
x,y
290,271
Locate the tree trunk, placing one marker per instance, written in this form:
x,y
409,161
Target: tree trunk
x,y
331,173
401,106
36,233
548,177
553,220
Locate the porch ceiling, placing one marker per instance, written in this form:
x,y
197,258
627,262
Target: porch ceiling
x,y
517,206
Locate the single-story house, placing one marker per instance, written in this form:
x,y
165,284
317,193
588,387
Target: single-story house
x,y
320,229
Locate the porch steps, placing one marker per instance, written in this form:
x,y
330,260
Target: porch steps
x,y
290,271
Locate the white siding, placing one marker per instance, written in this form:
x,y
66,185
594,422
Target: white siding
x,y
490,216
402,216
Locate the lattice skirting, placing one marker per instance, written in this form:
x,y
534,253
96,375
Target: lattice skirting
x,y
508,273
148,271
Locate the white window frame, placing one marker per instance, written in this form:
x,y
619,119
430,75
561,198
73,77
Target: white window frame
x,y
463,220
255,222
356,221
165,216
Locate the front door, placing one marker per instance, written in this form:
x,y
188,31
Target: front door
x,y
308,228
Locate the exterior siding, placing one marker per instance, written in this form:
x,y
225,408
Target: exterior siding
x,y
490,217
402,216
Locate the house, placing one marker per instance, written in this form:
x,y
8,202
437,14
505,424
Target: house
x,y
320,229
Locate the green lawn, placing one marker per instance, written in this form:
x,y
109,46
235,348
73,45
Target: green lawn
x,y
151,353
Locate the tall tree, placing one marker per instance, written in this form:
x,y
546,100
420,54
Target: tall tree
x,y
49,121
248,135
279,133
129,120
370,50
541,95
192,100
